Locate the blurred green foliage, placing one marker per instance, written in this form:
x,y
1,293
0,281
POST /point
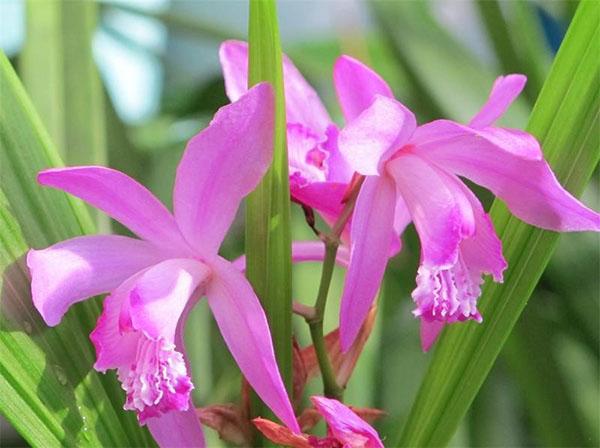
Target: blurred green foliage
x,y
548,372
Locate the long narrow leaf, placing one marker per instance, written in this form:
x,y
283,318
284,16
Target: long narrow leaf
x,y
59,73
48,389
565,120
268,235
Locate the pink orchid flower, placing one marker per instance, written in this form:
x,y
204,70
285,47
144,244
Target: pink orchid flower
x,y
319,176
412,175
154,281
345,429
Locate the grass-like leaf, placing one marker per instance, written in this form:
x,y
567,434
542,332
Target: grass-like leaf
x,y
565,120
50,393
60,76
268,234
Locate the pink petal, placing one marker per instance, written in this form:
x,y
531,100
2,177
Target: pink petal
x,y
115,348
325,197
73,270
120,197
244,327
442,215
177,429
376,134
307,161
505,90
303,105
221,165
527,185
430,330
514,141
371,236
161,294
483,251
305,251
356,86
450,293
345,426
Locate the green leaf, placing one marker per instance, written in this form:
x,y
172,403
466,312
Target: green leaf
x,y
268,235
565,120
50,392
59,73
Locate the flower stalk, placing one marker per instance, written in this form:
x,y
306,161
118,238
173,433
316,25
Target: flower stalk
x,y
331,240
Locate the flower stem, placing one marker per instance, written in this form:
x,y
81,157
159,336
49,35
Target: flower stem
x,y
331,388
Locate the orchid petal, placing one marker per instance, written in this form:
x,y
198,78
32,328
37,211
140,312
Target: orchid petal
x,y
120,197
373,136
245,330
178,429
221,165
505,90
430,330
115,348
441,214
161,294
527,185
73,270
513,141
345,426
302,103
325,197
305,251
356,86
482,252
371,235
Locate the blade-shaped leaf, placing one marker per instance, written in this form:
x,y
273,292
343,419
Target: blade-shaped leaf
x,y
268,234
50,393
60,76
565,120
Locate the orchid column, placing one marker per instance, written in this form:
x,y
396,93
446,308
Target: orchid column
x,y
268,239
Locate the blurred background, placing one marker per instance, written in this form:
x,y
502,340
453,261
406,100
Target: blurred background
x,y
154,67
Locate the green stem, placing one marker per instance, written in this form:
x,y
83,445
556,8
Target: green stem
x,y
331,388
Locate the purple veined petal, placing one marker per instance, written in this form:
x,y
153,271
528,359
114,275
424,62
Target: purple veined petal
x,y
161,294
505,90
303,251
245,330
302,103
430,330
356,86
345,426
371,236
120,197
442,217
178,429
370,139
221,165
528,186
73,270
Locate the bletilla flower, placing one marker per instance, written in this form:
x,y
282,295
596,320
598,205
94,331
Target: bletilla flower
x,y
412,175
319,175
154,281
345,429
